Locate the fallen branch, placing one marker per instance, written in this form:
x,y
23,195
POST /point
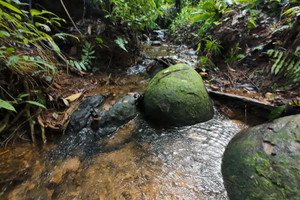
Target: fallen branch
x,y
247,100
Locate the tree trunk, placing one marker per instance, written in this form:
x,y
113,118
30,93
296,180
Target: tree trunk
x,y
178,5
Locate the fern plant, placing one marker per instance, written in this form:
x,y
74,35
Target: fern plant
x,y
86,58
286,64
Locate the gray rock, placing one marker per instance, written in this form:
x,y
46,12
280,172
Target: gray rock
x,y
82,117
263,162
118,115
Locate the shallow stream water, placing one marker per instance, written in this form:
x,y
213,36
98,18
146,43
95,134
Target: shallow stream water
x,y
139,161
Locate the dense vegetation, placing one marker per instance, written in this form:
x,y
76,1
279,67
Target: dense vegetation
x,y
31,40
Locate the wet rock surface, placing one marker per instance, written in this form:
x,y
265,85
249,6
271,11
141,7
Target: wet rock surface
x,y
119,114
82,117
177,96
264,161
85,130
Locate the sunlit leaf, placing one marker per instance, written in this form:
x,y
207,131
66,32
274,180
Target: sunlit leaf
x,y
121,43
4,34
11,7
6,105
73,97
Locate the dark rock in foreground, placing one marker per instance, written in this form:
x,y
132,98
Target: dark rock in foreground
x,y
82,117
177,96
123,111
263,162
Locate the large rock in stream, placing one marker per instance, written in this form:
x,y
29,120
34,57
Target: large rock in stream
x,y
177,96
263,162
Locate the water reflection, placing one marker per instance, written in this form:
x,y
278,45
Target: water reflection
x,y
138,162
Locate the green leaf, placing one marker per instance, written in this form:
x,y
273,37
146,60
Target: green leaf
x,y
10,50
36,104
77,65
251,23
11,7
82,65
13,60
55,47
99,40
6,105
121,43
276,112
35,12
21,96
4,34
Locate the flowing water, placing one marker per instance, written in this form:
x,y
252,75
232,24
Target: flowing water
x,y
139,161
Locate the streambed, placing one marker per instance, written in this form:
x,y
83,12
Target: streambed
x,y
139,161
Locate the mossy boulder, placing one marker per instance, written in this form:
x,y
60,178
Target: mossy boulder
x,y
176,96
263,162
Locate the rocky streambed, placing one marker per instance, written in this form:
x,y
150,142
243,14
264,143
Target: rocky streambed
x,y
122,156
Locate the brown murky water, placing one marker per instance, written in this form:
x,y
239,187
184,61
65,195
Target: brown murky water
x,y
137,162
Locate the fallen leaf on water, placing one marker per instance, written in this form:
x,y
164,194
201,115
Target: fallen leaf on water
x,y
73,97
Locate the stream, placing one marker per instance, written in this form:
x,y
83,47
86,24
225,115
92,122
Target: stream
x,y
139,161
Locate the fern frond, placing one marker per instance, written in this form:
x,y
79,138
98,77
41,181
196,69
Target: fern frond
x,y
287,65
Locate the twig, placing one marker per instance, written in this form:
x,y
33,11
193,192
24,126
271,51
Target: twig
x,y
27,109
4,152
42,125
5,142
31,123
66,10
4,122
15,119
84,10
251,82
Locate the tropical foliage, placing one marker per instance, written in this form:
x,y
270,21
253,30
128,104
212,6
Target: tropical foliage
x,y
136,13
24,55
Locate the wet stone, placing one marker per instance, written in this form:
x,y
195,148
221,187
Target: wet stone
x,y
81,118
119,114
263,162
176,96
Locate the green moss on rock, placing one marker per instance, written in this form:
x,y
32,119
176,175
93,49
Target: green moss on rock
x,y
177,96
263,162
